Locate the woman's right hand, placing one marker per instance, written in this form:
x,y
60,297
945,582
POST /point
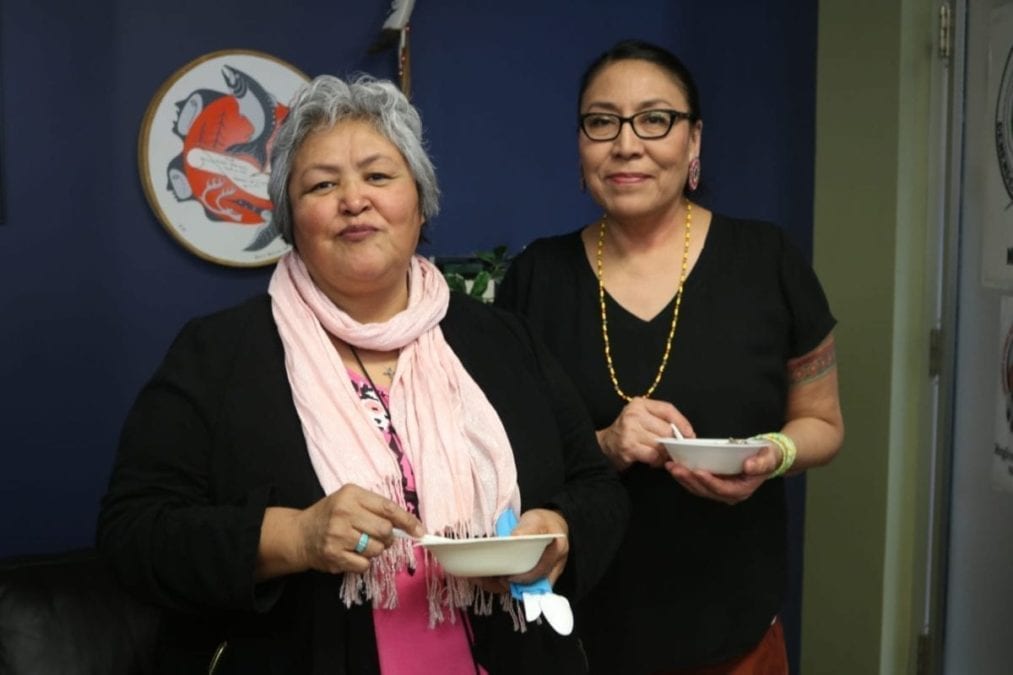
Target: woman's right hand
x,y
633,436
324,536
332,527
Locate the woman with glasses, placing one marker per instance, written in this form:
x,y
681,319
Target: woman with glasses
x,y
664,314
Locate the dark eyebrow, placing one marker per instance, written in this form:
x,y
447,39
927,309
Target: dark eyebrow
x,y
320,166
644,105
373,159
334,168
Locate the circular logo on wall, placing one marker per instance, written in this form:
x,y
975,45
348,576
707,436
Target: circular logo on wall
x,y
1004,125
204,154
1006,376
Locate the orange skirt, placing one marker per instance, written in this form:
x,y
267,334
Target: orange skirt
x,y
769,657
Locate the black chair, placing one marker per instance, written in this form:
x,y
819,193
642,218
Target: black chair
x,y
64,614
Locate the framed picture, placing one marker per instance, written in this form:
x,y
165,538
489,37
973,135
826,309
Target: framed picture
x,y
204,151
1002,448
997,232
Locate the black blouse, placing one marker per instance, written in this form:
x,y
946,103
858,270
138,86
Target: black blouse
x,y
696,581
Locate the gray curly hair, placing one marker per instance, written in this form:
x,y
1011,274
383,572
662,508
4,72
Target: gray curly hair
x,y
327,100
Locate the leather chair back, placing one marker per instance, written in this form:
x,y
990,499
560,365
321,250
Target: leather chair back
x,y
65,614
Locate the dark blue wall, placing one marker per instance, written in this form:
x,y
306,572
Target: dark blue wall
x,y
92,288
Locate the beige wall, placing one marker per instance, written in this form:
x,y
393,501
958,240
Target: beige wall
x,y
864,516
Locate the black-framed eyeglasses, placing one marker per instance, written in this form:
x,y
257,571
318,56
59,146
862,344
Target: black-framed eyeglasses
x,y
647,124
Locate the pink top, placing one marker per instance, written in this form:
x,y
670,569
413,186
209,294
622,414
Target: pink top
x,y
404,641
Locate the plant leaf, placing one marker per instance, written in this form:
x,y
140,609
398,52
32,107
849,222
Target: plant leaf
x,y
479,284
456,282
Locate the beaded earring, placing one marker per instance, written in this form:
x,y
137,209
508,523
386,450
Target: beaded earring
x,y
693,179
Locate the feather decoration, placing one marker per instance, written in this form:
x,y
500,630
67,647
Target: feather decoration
x,y
397,21
404,63
396,29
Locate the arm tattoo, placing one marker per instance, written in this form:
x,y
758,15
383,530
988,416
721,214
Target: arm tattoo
x,y
813,365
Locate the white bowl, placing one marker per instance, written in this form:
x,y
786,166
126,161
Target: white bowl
x,y
489,557
716,455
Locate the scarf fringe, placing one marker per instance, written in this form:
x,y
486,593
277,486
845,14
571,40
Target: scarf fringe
x,y
445,593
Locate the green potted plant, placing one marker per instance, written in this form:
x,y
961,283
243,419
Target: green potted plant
x,y
476,275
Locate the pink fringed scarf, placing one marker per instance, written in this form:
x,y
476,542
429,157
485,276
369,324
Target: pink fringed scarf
x,y
458,448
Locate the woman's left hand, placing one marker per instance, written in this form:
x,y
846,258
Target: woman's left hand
x,y
553,560
728,489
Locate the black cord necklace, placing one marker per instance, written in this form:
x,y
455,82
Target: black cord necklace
x,y
372,384
410,495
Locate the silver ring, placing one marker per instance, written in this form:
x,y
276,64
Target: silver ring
x,y
363,543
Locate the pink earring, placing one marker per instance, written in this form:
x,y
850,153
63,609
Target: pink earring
x,y
693,180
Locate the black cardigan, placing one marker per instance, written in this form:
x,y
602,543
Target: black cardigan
x,y
214,439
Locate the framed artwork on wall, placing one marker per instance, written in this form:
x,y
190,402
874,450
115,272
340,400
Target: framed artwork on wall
x,y
997,233
204,149
1002,448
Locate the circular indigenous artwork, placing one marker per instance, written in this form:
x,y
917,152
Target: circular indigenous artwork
x,y
1004,126
1006,375
204,152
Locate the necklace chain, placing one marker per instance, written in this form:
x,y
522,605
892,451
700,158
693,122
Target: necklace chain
x,y
675,313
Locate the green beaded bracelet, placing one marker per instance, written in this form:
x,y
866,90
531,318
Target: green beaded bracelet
x,y
788,451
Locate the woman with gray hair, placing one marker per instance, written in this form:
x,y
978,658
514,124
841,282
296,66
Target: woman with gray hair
x,y
264,470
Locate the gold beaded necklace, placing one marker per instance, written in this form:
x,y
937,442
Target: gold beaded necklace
x,y
675,314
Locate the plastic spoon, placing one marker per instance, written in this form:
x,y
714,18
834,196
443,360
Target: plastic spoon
x,y
675,430
423,540
556,609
